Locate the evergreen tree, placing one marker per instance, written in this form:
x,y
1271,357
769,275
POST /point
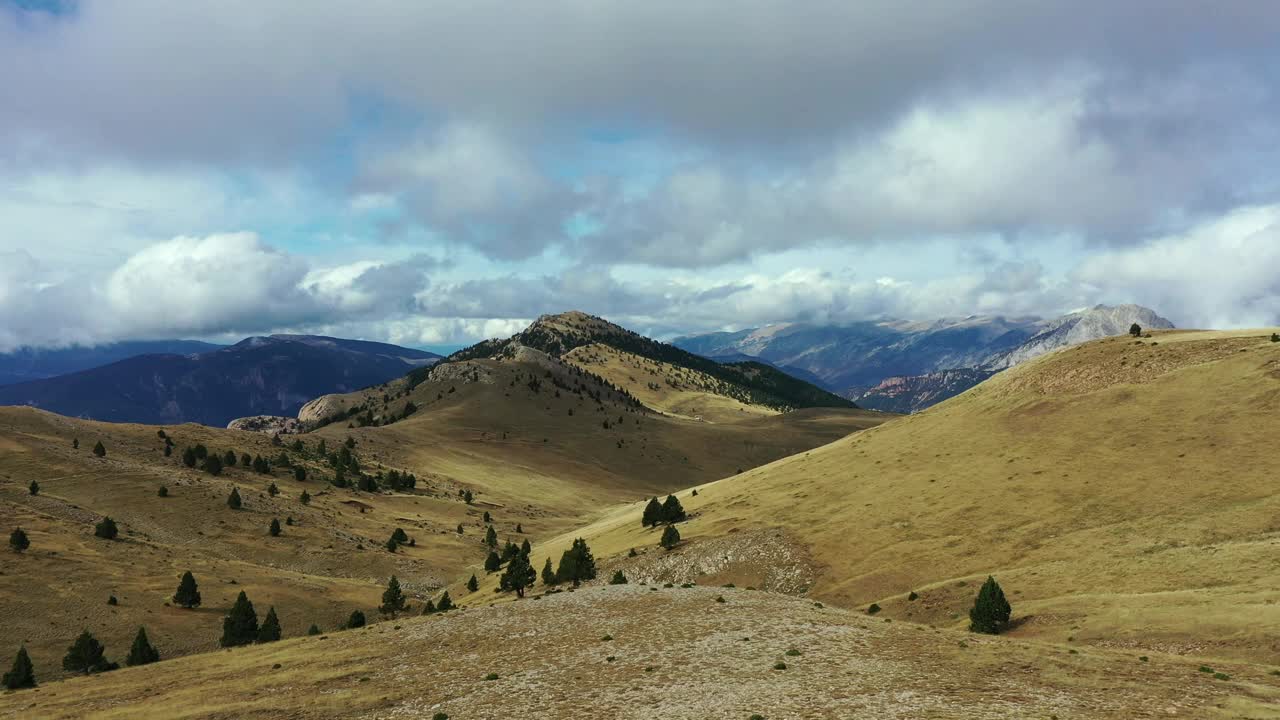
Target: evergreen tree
x,y
618,578
106,529
322,448
459,528
509,551
75,443
275,527
652,513
272,490
670,537
672,510
100,450
189,457
233,500
260,465
1135,329
519,575
429,608
141,653
270,630
487,517
990,612
168,450
86,656
467,497
240,626
519,529
526,548
245,460
445,604
34,488
213,465
188,593
1275,337
163,491
201,451
23,674
492,562
314,629
577,564
300,474
18,540
548,575
229,459
400,536
392,598
491,537
305,498
473,584
356,620
391,544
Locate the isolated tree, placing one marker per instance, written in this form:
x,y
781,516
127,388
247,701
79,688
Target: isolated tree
x,y
163,492
189,457
240,626
618,578
548,575
275,527
577,564
459,531
670,537
519,575
23,674
491,537
1135,329
473,584
272,490
429,608
106,529
519,529
213,465
99,450
141,653
652,513
446,602
75,443
168,450
356,620
188,593
492,562
467,497
233,500
392,598
990,612
400,536
305,498
672,510
18,540
34,488
391,545
270,630
1275,337
487,518
300,474
86,656
314,629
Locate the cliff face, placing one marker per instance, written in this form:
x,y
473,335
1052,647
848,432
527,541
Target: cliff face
x,y
914,393
1092,324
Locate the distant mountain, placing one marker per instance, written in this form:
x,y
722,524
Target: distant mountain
x,y
26,364
272,375
907,366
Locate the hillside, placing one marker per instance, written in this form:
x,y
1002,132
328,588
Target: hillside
x,y
24,364
1122,492
635,653
541,444
258,376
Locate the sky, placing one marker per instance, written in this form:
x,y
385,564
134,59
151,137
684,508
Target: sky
x,y
438,172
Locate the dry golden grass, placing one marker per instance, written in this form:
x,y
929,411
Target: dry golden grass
x,y
669,653
1122,492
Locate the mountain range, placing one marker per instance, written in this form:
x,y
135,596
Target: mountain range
x,y
271,375
26,363
904,366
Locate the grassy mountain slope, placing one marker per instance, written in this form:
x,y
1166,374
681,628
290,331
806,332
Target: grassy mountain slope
x,y
630,652
1122,491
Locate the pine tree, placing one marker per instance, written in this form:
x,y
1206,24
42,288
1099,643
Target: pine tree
x,y
618,578
526,548
487,518
163,491
392,598
34,488
990,612
445,604
548,575
672,510
429,608
356,620
270,630
188,593
400,536
240,626
670,537
189,457
75,443
305,498
459,528
300,474
141,653
519,529
491,537
100,450
576,564
106,529
467,497
260,465
492,562
473,584
213,465
391,545
275,527
652,513
86,656
233,500
272,490
23,674
1135,329
519,575
314,629
18,540
245,460
229,459
509,551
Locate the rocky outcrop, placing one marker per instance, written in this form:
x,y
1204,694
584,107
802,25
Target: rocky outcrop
x,y
270,424
1093,324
